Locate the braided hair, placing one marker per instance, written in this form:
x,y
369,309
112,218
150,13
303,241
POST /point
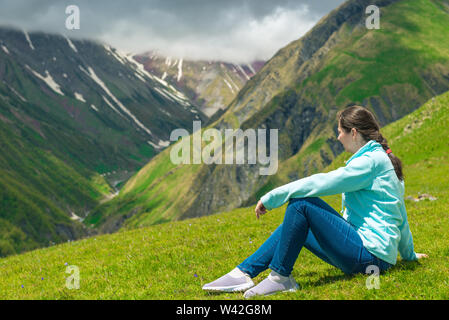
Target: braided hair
x,y
360,118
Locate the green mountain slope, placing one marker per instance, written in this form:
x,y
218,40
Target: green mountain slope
x,y
38,192
73,114
174,260
90,104
340,61
392,71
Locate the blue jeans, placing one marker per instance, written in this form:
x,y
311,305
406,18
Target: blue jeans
x,y
312,223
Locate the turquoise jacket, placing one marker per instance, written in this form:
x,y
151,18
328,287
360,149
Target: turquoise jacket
x,y
372,200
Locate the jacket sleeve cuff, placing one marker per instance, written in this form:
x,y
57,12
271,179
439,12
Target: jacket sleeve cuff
x,y
265,201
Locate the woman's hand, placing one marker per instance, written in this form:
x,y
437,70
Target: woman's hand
x,y
260,209
421,255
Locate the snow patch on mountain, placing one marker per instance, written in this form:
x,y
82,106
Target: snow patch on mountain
x,y
251,68
168,61
243,71
139,76
5,49
163,82
79,97
178,97
27,37
16,93
165,112
232,82
140,69
154,145
179,69
94,77
229,85
124,59
75,217
48,79
112,106
71,45
163,94
113,53
161,144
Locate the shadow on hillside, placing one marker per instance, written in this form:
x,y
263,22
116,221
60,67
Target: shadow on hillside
x,y
405,265
328,279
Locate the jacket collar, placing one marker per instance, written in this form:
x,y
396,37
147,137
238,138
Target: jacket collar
x,y
369,146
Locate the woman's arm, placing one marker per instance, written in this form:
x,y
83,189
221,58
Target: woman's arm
x,y
406,248
358,174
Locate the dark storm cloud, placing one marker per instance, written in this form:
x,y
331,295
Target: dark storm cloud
x,y
232,30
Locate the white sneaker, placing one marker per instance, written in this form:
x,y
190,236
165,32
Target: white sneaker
x,y
272,284
234,281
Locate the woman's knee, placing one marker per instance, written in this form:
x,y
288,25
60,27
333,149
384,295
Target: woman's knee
x,y
301,204
315,202
302,201
298,207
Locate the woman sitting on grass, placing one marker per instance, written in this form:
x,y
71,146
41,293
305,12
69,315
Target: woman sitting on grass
x,y
373,228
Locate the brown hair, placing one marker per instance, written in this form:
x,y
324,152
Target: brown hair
x,y
365,122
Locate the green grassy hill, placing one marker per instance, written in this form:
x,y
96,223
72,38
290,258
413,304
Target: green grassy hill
x,y
173,260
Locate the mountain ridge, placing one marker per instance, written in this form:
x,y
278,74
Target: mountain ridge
x,y
77,118
349,65
209,84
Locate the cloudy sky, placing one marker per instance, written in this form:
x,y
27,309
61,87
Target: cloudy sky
x,y
230,30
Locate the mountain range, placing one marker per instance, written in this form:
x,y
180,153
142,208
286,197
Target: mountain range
x,y
80,120
391,71
211,85
77,118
